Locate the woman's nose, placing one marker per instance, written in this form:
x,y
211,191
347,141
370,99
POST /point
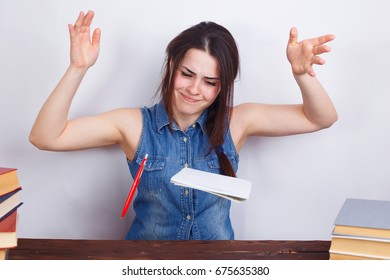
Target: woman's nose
x,y
194,87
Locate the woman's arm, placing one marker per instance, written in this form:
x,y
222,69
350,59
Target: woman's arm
x,y
316,112
52,130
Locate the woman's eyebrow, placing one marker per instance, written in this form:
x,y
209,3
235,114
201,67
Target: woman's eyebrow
x,y
193,73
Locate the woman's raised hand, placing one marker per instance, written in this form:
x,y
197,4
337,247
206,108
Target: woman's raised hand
x,y
302,55
84,51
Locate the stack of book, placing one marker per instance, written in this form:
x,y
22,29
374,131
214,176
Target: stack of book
x,y
361,231
9,203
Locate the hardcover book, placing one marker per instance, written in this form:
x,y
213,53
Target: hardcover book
x,y
362,230
8,180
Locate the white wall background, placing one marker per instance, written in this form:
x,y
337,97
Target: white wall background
x,y
299,182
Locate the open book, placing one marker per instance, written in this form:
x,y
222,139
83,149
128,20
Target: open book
x,y
235,189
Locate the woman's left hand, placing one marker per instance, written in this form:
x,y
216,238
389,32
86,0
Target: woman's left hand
x,y
302,55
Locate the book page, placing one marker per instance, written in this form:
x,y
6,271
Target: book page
x,y
235,189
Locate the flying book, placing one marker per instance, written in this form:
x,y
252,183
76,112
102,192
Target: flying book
x,y
235,189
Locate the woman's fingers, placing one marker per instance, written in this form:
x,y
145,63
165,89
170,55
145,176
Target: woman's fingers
x,y
96,38
321,49
79,21
84,20
88,18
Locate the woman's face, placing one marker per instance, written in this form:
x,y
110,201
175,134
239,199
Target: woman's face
x,y
196,85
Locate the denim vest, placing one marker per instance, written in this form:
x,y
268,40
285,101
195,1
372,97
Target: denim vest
x,y
166,211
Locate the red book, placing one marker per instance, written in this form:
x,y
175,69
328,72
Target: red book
x,y
9,223
8,237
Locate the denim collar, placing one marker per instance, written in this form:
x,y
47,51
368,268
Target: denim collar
x,y
162,119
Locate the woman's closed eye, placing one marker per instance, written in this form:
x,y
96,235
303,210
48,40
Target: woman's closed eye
x,y
211,83
186,74
190,75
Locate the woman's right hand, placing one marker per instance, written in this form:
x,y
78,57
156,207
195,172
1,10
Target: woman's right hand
x,y
83,51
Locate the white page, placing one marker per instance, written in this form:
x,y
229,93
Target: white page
x,y
235,189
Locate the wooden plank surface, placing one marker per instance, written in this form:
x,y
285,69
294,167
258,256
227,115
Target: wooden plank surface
x,y
68,249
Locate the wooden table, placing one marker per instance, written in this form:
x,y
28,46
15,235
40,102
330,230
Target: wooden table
x,y
67,249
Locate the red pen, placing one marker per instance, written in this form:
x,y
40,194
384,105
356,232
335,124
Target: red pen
x,y
134,186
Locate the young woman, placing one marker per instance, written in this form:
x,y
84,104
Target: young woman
x,y
194,124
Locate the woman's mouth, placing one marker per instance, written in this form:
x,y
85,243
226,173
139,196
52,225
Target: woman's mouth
x,y
189,99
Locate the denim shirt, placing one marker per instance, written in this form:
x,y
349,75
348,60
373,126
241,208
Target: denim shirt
x,y
166,211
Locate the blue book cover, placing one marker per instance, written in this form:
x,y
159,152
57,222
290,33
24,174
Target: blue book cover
x,y
9,203
8,195
364,213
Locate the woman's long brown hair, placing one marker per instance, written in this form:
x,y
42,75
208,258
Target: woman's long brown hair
x,y
219,43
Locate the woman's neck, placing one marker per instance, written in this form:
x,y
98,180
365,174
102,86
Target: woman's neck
x,y
185,121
